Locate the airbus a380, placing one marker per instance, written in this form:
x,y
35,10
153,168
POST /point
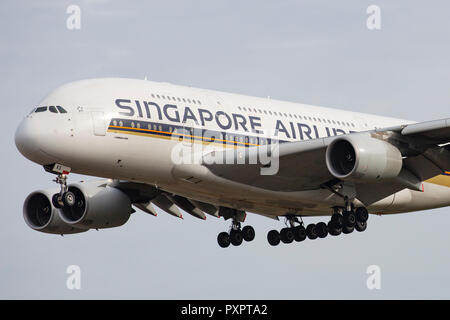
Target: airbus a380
x,y
204,151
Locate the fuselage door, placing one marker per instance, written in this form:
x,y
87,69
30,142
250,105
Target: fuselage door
x,y
98,123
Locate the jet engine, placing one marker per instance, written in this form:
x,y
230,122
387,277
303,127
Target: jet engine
x,y
363,158
97,205
41,215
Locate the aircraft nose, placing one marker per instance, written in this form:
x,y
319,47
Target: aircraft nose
x,y
29,138
25,138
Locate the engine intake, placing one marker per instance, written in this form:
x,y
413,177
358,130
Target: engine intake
x,y
362,158
41,215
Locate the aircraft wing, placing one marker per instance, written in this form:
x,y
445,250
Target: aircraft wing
x,y
437,130
302,165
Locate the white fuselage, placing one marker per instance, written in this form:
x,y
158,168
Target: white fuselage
x,y
118,128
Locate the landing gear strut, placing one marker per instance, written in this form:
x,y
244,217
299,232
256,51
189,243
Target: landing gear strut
x,y
64,197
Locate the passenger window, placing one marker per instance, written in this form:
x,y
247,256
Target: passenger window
x,y
52,109
41,109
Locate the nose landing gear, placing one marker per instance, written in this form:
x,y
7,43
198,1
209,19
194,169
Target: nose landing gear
x,y
64,197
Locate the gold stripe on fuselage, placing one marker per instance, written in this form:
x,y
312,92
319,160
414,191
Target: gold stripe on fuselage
x,y
216,141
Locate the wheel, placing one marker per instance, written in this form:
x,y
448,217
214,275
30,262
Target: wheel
x,y
347,230
299,233
56,201
286,235
68,198
360,226
338,220
223,239
273,237
248,233
321,229
362,215
311,231
236,237
349,218
333,229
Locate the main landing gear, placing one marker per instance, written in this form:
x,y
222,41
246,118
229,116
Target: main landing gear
x,y
289,234
342,221
236,235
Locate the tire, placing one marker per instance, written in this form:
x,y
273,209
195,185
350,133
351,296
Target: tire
x,y
362,215
273,237
236,237
56,201
248,233
360,226
311,232
299,233
223,239
338,220
286,235
68,198
347,230
322,230
333,230
349,219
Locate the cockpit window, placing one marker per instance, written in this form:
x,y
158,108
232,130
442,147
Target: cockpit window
x,y
53,109
41,109
61,109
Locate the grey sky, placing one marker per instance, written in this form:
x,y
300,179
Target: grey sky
x,y
316,52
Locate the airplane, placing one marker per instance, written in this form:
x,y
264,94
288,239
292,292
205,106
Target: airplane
x,y
206,152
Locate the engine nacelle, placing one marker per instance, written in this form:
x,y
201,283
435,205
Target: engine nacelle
x,y
362,158
41,215
97,206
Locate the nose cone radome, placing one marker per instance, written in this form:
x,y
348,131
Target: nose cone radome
x,y
29,137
